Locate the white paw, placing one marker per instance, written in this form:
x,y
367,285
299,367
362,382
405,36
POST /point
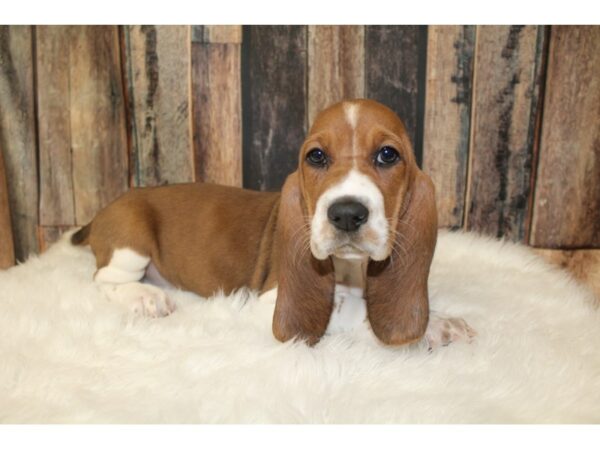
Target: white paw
x,y
143,299
442,331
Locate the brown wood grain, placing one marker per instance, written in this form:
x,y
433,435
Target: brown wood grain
x,y
508,61
567,193
159,90
336,58
18,135
217,34
57,202
395,58
448,116
7,249
217,113
48,235
274,103
97,117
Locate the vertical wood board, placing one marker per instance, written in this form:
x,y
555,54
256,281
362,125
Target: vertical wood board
x,y
335,66
159,90
395,58
274,103
217,34
508,62
448,116
53,61
567,193
18,135
97,111
7,250
217,114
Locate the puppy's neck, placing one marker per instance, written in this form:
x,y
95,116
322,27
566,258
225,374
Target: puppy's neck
x,y
349,309
351,273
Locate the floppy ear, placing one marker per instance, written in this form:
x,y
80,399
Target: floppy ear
x,y
305,284
396,294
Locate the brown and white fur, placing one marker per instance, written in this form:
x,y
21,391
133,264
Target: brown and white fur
x,y
205,238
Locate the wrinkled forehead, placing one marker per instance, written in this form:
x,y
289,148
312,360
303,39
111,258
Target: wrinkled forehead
x,y
357,118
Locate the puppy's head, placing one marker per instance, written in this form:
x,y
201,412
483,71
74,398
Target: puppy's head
x,y
357,194
355,168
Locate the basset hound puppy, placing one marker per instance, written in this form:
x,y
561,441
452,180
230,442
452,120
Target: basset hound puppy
x,y
347,242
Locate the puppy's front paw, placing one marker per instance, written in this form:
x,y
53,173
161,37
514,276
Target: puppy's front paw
x,y
143,299
441,331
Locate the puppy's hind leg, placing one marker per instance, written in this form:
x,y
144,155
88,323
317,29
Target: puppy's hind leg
x,y
120,280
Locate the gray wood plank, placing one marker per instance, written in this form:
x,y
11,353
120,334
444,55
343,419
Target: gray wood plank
x,y
506,102
158,60
395,58
274,103
18,135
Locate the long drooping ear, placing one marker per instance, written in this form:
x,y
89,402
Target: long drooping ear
x,y
397,298
305,284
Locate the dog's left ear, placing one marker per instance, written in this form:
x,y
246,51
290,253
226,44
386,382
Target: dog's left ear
x,y
396,293
305,284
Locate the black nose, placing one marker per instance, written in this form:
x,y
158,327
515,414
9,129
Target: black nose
x,y
347,215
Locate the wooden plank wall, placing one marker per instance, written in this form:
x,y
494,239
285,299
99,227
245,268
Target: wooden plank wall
x,y
18,135
7,249
505,103
157,74
449,80
82,139
274,71
567,197
504,118
217,103
395,72
336,66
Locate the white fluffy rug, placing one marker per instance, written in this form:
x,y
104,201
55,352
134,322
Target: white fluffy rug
x,y
68,355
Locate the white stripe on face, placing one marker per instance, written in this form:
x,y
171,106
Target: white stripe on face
x,y
371,238
351,112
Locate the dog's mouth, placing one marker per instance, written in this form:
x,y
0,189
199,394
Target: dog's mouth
x,y
350,251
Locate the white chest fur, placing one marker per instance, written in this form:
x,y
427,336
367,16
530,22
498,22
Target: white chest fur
x,y
349,307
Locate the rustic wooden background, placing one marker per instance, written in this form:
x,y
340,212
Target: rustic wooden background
x,y
506,119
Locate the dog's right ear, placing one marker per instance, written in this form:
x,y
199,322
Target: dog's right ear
x,y
305,284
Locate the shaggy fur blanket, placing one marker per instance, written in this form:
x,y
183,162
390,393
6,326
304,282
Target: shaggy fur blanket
x,y
69,355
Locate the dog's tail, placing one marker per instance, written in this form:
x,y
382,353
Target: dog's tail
x,y
81,236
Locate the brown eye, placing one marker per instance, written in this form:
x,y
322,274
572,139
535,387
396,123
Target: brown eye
x,y
387,156
317,157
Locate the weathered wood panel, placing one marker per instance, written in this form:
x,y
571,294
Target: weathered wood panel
x,y
505,106
274,103
448,117
217,113
217,34
54,125
395,58
159,90
97,110
7,250
567,194
336,65
18,136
